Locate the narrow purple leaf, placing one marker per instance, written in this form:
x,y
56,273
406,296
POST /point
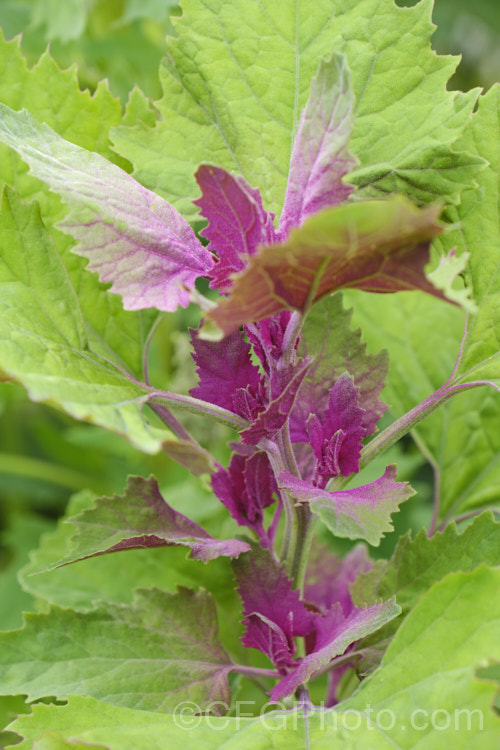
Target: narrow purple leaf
x,y
132,238
359,513
284,386
320,157
237,224
224,367
268,338
138,519
273,611
334,634
245,489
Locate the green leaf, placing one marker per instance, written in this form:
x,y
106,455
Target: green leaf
x,y
478,216
54,96
43,337
429,667
377,246
327,336
153,654
420,562
422,336
107,578
238,75
141,518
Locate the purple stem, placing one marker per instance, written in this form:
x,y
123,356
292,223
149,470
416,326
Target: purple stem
x,y
198,407
465,516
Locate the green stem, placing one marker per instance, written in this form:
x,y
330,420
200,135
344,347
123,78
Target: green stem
x,y
198,407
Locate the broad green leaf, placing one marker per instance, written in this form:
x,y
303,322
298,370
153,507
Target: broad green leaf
x,y
141,518
238,74
478,216
43,336
422,336
420,562
429,667
417,564
153,654
377,246
54,96
108,578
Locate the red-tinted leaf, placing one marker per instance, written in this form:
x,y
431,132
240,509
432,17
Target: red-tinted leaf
x,y
358,513
273,611
378,246
237,225
284,386
334,634
141,518
320,156
327,338
223,367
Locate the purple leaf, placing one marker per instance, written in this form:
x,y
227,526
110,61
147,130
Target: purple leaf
x,y
245,489
359,513
375,245
328,577
132,238
224,367
334,634
237,225
320,157
273,611
268,338
284,385
141,518
335,349
336,438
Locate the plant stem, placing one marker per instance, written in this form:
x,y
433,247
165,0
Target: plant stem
x,y
198,407
404,424
466,516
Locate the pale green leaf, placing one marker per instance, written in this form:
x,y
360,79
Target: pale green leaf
x,y
238,74
43,336
54,97
478,235
430,666
153,654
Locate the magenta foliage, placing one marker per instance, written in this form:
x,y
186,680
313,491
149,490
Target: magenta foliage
x,y
237,225
246,488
